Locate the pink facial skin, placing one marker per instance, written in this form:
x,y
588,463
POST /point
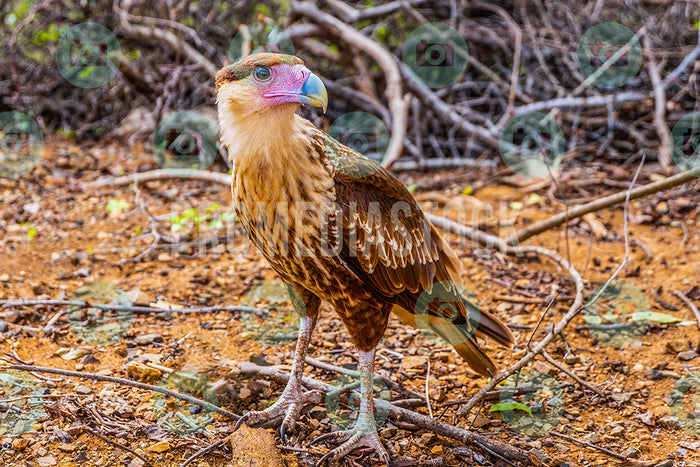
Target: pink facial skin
x,y
291,83
285,85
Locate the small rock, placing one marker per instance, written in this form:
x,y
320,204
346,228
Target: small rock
x,y
621,396
46,461
136,462
648,418
572,359
143,373
543,367
20,444
632,452
31,208
413,361
388,432
65,447
617,431
480,421
667,421
676,346
89,358
592,438
148,339
429,438
4,277
3,326
84,390
687,355
161,446
437,450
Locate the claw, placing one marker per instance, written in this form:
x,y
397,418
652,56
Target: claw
x,y
364,433
241,421
287,407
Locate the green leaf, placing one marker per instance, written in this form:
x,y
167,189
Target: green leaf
x,y
510,407
662,318
468,190
591,319
116,205
412,188
31,233
213,207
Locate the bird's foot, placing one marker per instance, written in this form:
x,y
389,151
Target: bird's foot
x,y
287,407
364,433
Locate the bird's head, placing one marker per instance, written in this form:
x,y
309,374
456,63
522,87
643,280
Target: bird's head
x,y
264,81
262,92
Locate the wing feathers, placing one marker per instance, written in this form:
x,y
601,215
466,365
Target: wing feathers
x,y
390,245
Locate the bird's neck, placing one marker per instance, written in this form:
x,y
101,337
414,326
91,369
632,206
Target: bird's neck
x,y
274,154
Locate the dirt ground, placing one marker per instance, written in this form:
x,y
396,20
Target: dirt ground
x,y
57,237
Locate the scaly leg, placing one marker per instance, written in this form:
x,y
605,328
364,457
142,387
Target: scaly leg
x,y
364,433
291,401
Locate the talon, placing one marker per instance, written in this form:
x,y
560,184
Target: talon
x,y
241,421
282,435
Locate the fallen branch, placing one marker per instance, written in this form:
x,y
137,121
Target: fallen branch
x,y
127,382
601,203
399,414
394,93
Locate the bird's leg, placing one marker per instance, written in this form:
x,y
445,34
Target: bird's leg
x,y
364,433
290,403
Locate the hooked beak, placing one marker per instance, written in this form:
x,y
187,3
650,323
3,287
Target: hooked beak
x,y
314,93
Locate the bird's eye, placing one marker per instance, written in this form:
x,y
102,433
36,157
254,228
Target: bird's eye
x,y
262,73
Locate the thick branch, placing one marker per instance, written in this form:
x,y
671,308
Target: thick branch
x,y
600,203
394,93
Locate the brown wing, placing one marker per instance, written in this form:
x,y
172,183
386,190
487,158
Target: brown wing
x,y
390,245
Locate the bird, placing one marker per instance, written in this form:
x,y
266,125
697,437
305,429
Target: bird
x,y
336,227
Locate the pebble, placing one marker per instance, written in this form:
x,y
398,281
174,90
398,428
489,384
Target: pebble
x,y
161,446
437,450
20,444
429,438
687,355
46,461
667,421
592,438
676,346
143,373
148,339
4,277
83,390
632,452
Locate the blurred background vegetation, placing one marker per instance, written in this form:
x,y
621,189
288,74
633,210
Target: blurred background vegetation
x,y
159,73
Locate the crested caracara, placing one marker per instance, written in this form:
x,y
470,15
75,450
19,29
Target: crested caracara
x,y
336,227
